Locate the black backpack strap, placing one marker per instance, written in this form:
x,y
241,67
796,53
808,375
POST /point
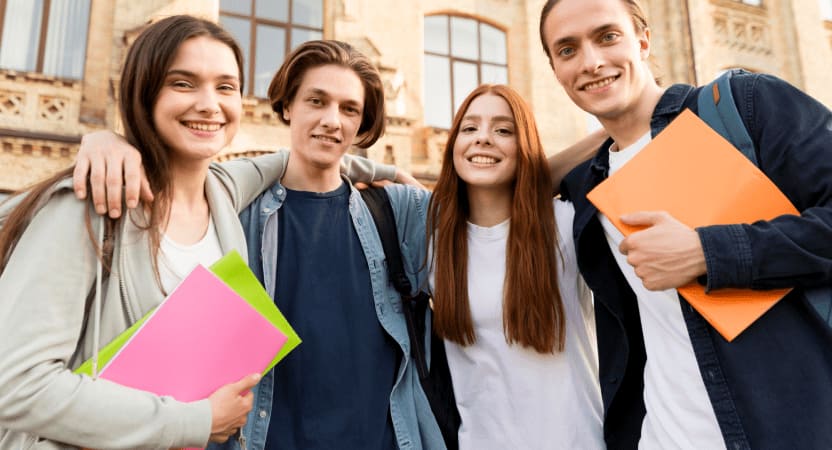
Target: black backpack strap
x,y
436,382
414,306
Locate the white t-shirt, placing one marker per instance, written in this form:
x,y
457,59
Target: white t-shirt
x,y
176,261
511,397
679,412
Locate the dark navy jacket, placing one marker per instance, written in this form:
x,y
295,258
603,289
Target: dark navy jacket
x,y
772,386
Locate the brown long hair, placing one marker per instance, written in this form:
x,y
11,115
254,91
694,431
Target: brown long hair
x,y
142,77
533,313
311,54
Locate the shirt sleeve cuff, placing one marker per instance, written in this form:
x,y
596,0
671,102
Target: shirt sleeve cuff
x,y
728,256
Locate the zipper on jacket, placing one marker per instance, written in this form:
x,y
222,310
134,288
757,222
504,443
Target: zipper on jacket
x,y
241,439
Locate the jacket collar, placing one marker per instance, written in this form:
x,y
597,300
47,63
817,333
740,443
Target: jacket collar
x,y
670,105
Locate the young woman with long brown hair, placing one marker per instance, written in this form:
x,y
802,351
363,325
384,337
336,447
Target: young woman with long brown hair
x,y
507,299
179,110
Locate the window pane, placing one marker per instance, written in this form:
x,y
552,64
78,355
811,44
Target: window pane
x,y
465,80
437,92
300,35
66,39
271,42
241,30
308,12
494,74
826,9
273,9
21,33
752,2
436,34
493,44
464,38
236,6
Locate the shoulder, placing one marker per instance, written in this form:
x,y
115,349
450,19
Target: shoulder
x,y
405,195
571,186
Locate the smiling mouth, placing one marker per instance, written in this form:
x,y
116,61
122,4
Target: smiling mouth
x,y
599,84
198,126
330,139
481,159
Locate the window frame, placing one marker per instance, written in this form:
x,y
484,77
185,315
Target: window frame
x,y
44,30
452,59
254,21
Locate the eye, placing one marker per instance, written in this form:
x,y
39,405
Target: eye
x,y
504,131
227,87
352,110
566,52
609,37
467,129
181,84
315,101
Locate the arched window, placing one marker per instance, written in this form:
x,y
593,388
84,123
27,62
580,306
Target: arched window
x,y
268,30
45,36
460,54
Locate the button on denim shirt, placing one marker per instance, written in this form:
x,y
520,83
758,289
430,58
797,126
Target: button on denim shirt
x,y
413,422
771,387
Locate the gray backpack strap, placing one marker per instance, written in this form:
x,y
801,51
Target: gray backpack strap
x,y
716,107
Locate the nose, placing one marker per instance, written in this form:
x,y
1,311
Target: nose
x,y
483,136
592,59
331,117
207,101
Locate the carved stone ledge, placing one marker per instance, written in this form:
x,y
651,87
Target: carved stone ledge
x,y
742,31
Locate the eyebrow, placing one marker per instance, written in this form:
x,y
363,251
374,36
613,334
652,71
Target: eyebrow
x,y
189,74
494,119
595,31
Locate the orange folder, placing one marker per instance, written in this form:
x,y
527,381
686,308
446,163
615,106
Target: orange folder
x,y
697,176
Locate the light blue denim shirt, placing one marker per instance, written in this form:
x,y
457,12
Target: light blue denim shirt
x,y
413,422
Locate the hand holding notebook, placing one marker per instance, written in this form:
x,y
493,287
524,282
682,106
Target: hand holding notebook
x,y
700,179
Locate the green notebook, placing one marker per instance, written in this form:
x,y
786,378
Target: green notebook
x,y
235,273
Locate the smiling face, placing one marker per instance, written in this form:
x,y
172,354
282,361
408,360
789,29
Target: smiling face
x,y
485,150
325,115
598,55
197,111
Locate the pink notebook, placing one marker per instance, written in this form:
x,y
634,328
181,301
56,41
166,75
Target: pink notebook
x,y
200,338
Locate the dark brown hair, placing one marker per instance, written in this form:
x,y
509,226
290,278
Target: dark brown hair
x,y
533,313
311,54
636,11
142,77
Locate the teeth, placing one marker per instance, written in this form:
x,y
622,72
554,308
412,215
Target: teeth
x,y
327,139
599,84
479,159
203,126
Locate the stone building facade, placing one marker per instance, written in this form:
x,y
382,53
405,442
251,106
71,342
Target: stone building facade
x,y
44,112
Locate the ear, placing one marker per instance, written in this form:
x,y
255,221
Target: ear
x,y
644,44
285,113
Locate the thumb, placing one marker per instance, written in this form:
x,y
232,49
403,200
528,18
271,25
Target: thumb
x,y
246,383
642,218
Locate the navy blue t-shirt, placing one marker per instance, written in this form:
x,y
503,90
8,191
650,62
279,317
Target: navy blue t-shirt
x,y
333,391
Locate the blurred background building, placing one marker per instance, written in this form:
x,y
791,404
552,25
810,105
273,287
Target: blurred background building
x,y
60,60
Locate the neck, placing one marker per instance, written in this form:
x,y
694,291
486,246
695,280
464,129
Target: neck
x,y
489,206
307,177
188,214
625,129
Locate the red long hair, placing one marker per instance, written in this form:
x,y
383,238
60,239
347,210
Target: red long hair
x,y
533,314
